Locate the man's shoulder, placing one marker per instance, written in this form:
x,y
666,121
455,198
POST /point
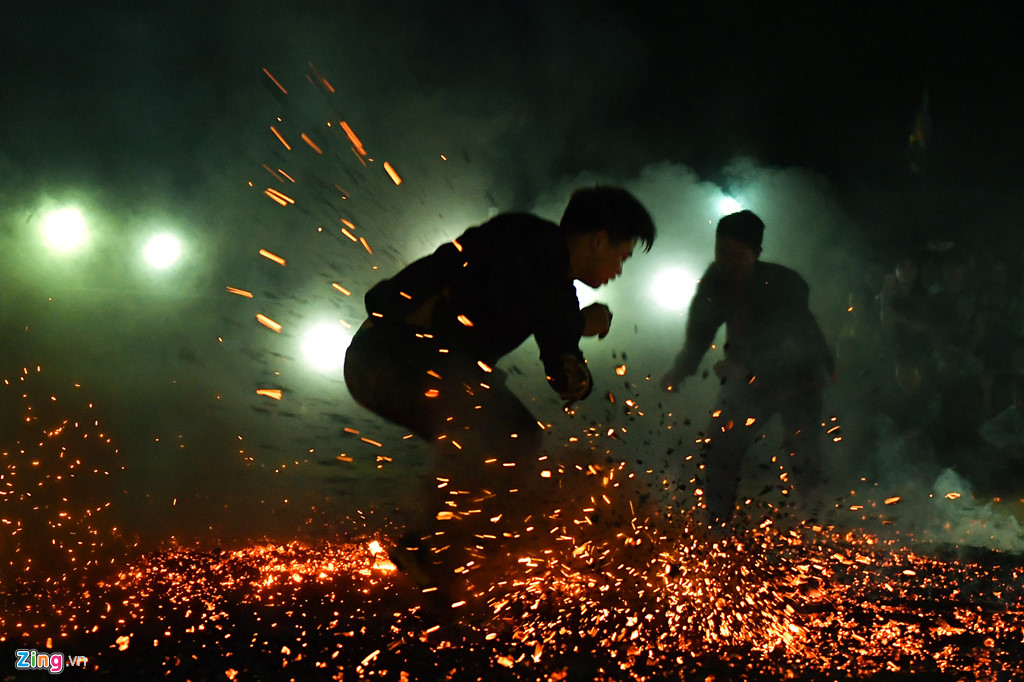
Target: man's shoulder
x,y
507,230
524,218
776,269
518,221
774,272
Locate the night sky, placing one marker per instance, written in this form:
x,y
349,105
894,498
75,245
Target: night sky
x,y
156,116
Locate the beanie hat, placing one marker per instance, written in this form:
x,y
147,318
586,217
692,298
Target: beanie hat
x,y
743,226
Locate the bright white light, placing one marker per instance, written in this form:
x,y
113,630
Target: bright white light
x,y
162,251
727,205
585,294
673,288
324,346
64,230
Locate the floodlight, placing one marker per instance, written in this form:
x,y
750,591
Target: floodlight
x,y
64,230
324,346
162,251
673,288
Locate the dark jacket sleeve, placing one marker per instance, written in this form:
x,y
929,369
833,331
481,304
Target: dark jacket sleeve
x,y
820,345
533,288
558,329
705,317
813,345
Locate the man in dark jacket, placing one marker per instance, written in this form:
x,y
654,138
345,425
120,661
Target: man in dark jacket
x,y
776,361
425,357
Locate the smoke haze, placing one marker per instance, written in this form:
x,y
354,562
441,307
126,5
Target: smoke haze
x,y
159,117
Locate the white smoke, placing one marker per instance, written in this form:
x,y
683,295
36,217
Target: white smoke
x,y
956,516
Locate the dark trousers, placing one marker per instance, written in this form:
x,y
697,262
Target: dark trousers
x,y
485,442
738,421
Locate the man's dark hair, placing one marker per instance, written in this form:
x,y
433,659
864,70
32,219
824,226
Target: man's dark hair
x,y
743,226
608,208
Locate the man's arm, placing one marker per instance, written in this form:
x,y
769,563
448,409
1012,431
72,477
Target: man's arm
x,y
558,325
815,338
569,375
704,319
530,285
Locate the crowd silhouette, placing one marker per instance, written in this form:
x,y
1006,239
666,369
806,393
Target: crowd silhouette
x,y
930,362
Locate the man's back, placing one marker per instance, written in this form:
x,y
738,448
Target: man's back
x,y
491,288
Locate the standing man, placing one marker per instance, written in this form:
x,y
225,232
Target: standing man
x,y
776,361
425,359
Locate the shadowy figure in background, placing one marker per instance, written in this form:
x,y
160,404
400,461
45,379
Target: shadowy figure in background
x,y
425,359
864,361
776,361
905,311
1000,312
908,417
959,331
1002,471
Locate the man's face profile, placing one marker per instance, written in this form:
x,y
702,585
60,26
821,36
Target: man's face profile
x,y
734,259
605,259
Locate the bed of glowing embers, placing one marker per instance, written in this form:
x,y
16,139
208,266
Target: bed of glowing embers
x,y
632,598
604,581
